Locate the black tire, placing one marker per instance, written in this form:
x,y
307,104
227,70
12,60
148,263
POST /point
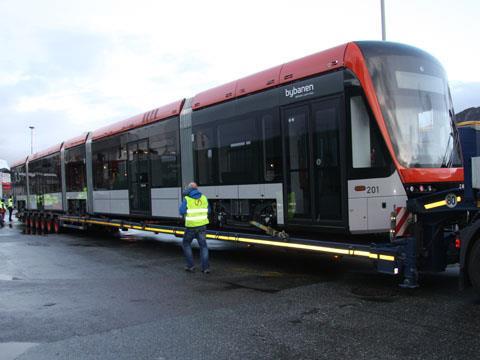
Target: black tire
x,y
474,266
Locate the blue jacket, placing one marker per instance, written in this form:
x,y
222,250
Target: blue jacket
x,y
194,194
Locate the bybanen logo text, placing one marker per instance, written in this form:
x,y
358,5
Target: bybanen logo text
x,y
297,92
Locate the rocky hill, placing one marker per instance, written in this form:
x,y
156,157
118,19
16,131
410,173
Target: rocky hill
x,y
470,114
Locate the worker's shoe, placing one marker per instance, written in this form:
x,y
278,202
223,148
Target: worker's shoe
x,y
190,269
206,271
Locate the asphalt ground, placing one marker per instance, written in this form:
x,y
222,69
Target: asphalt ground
x,y
91,296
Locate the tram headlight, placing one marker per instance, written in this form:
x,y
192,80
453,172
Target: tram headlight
x,y
421,188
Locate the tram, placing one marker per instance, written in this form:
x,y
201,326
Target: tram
x,y
330,143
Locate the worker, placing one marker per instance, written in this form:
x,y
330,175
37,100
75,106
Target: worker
x,y
195,209
10,208
2,212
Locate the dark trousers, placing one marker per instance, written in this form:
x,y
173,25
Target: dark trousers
x,y
10,211
199,233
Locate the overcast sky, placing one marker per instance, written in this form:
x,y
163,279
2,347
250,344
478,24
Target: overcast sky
x,y
72,66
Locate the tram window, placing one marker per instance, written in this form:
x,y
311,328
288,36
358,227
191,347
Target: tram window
x,y
31,178
238,155
23,180
75,169
367,149
19,179
50,172
109,165
164,155
100,170
205,155
45,177
118,167
56,174
272,148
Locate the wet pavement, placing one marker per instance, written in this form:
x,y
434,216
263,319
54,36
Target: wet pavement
x,y
87,296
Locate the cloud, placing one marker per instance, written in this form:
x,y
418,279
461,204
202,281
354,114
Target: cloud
x,y
69,67
10,79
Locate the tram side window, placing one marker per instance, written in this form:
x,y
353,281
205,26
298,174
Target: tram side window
x,y
23,180
19,179
272,148
49,175
100,170
109,165
75,169
32,179
52,174
367,146
44,177
118,167
46,171
164,155
205,154
238,152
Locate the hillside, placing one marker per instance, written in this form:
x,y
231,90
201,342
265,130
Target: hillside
x,y
469,114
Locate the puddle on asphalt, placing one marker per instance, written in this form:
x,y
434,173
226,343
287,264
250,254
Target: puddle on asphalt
x,y
270,282
376,294
8,277
12,350
138,235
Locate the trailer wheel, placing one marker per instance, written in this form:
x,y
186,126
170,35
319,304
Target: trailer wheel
x,y
474,265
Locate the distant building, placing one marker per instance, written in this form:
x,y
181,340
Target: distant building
x,y
5,179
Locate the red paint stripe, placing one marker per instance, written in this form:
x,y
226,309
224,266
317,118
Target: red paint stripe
x,y
402,220
400,223
403,229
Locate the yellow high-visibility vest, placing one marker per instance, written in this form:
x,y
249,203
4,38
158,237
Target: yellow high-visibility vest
x,y
197,211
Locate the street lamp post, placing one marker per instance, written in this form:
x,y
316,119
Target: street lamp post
x,y
31,138
384,30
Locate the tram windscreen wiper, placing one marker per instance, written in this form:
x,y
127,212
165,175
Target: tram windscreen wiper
x,y
448,156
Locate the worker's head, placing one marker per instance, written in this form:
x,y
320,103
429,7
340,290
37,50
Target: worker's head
x,y
189,188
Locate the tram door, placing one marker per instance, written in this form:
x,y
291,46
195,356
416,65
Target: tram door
x,y
313,167
139,177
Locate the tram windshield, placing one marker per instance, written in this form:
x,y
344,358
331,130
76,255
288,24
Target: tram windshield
x,y
413,94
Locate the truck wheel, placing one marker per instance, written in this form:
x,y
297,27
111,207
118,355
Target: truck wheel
x,y
474,266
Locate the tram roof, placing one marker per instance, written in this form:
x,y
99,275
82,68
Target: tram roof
x,y
75,141
317,63
140,120
49,151
19,162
